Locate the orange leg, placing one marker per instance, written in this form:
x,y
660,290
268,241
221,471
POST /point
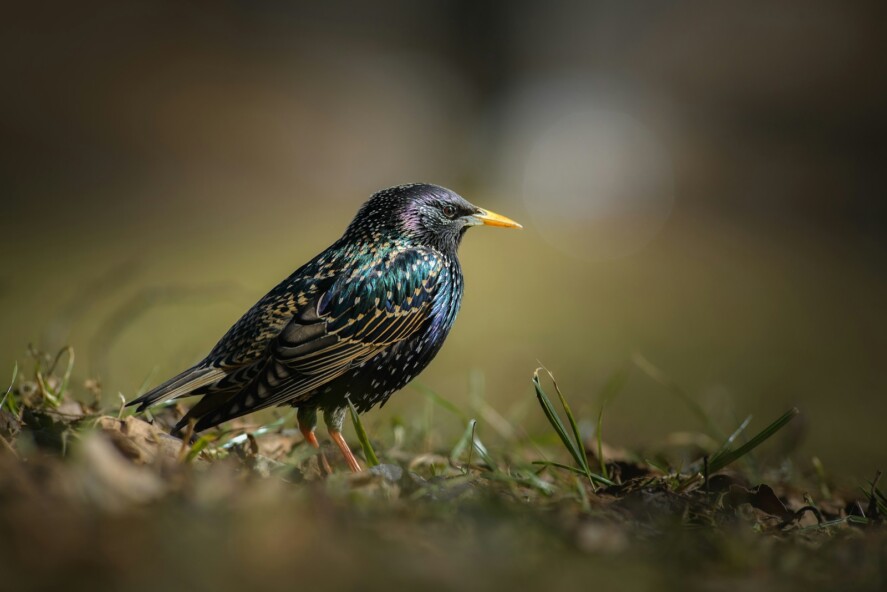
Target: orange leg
x,y
311,438
308,434
336,435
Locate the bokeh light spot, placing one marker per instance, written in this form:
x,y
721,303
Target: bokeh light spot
x,y
597,182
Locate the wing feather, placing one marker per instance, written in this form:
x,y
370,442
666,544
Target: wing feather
x,y
360,315
184,383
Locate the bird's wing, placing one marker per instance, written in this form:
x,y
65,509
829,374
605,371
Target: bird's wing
x,y
238,356
185,383
362,313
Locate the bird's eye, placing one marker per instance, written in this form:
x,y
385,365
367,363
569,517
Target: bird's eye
x,y
449,211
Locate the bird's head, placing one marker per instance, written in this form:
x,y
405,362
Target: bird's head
x,y
424,214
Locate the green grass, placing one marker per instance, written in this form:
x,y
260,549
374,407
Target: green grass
x,y
368,452
574,444
725,456
9,402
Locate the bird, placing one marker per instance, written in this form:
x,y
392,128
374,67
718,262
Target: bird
x,y
353,325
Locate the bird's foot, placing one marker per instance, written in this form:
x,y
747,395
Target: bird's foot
x,y
337,437
311,438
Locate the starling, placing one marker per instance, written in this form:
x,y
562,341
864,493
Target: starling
x,y
356,323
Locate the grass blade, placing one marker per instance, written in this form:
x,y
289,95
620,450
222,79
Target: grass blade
x,y
531,479
881,501
877,500
732,438
199,446
66,379
13,406
368,452
573,425
469,439
594,476
583,495
551,463
600,443
613,386
875,496
659,376
462,445
477,445
558,426
837,522
440,401
722,460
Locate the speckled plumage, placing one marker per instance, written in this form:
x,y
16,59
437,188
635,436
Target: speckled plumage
x,y
357,322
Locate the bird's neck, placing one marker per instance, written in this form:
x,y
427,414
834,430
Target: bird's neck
x,y
381,244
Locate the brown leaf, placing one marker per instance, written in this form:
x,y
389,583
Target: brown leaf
x,y
110,480
9,424
139,440
761,497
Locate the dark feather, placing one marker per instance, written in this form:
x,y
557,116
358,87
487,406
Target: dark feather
x,y
359,316
177,386
355,323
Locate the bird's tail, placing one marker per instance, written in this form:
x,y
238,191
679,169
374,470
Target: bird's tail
x,y
183,384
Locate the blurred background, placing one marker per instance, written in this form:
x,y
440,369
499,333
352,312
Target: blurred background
x,y
701,184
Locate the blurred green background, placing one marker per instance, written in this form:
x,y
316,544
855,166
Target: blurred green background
x,y
701,184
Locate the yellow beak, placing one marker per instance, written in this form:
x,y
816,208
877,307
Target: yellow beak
x,y
489,218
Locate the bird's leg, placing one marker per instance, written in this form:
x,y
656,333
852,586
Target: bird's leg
x,y
334,420
307,418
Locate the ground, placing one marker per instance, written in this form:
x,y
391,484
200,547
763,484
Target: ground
x,y
94,497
